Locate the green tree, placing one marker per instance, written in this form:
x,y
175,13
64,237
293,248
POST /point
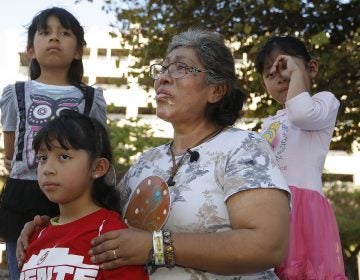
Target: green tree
x,y
330,28
129,140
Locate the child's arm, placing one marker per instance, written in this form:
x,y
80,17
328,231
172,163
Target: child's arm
x,y
312,113
305,111
8,107
9,139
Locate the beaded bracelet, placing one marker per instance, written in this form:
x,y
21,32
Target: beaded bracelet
x,y
158,247
169,252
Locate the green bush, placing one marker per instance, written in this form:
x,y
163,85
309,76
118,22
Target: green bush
x,y
345,200
130,140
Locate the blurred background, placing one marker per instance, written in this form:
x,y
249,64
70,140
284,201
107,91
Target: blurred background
x,y
125,37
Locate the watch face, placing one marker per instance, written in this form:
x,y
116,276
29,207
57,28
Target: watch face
x,y
149,205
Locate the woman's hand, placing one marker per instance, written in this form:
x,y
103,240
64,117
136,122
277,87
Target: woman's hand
x,y
121,247
25,235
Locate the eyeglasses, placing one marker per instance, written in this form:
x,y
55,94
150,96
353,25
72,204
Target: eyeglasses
x,y
176,70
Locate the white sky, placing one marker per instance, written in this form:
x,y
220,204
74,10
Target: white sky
x,y
15,15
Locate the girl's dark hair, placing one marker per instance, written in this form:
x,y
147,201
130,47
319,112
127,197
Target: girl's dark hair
x,y
76,131
217,58
286,44
68,21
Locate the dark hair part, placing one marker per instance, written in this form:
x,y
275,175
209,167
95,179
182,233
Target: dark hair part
x,y
286,44
76,131
68,21
217,58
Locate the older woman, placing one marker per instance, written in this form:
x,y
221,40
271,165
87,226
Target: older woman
x,y
229,214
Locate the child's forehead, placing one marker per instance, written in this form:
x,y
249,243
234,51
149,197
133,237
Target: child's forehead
x,y
51,19
52,143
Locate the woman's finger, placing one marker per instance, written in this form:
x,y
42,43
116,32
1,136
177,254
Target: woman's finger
x,y
25,235
113,264
23,241
104,246
110,235
102,257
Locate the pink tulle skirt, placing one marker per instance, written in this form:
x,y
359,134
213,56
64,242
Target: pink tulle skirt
x,y
314,246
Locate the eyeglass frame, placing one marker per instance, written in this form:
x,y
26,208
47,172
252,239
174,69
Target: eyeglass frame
x,y
187,70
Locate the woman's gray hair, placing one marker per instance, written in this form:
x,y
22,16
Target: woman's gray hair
x,y
212,52
217,58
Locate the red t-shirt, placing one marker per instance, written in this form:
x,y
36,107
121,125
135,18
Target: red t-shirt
x,y
61,251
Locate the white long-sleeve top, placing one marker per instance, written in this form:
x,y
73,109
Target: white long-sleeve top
x,y
300,136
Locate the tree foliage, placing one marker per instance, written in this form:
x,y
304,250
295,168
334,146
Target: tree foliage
x,y
129,140
346,204
330,28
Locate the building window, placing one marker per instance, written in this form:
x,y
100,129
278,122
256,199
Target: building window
x,y
119,52
112,80
112,109
149,110
101,52
86,51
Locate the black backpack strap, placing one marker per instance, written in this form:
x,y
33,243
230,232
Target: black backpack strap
x,y
20,97
89,99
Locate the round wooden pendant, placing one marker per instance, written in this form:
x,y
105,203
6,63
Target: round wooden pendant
x,y
149,205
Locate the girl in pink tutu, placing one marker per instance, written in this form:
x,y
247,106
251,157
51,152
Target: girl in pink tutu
x,y
300,135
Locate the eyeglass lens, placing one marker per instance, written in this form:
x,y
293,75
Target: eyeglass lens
x,y
175,70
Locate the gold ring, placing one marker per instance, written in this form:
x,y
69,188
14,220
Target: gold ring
x,y
114,253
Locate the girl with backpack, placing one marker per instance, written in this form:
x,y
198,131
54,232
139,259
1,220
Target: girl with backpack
x,y
55,48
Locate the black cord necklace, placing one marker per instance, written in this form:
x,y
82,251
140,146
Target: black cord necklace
x,y
176,165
